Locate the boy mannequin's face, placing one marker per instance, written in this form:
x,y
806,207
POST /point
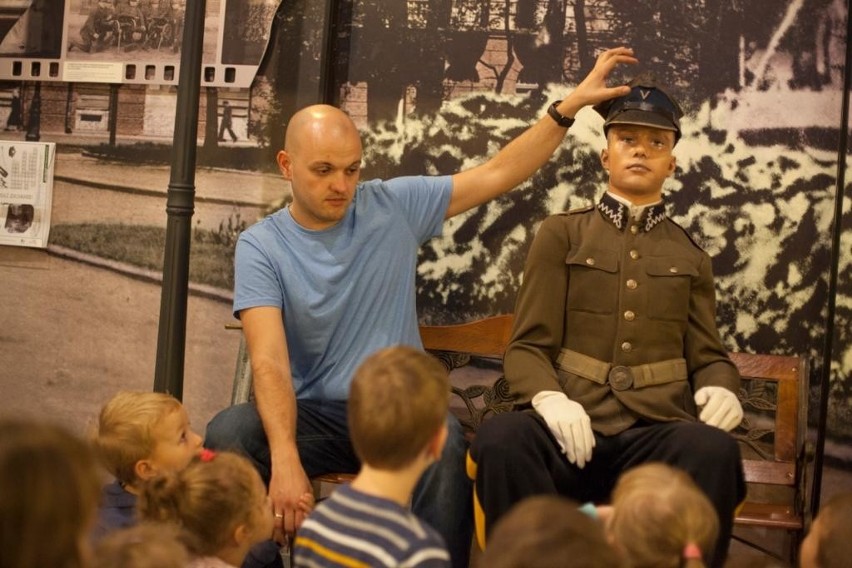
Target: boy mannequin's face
x,y
638,159
175,444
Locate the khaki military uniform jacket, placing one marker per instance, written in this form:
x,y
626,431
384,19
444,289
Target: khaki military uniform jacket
x,y
620,314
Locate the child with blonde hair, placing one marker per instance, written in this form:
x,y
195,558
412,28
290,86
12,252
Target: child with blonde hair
x,y
139,435
548,531
660,518
397,410
219,501
48,496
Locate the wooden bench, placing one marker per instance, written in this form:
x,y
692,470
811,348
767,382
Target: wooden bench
x,y
775,448
772,436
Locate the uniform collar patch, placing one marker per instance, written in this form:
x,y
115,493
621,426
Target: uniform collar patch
x,y
618,214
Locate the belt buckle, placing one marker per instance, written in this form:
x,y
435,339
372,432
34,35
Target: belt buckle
x,y
620,377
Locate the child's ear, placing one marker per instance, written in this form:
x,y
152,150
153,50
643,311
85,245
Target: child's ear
x,y
242,532
436,444
144,470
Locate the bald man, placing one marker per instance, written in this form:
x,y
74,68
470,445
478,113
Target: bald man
x,y
325,282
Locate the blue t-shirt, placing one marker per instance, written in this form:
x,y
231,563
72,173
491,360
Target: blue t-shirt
x,y
346,291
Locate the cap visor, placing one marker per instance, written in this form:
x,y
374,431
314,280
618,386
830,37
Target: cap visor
x,y
642,118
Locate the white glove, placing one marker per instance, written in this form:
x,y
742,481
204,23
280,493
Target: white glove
x,y
569,423
722,408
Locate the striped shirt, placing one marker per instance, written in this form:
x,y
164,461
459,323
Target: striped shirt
x,y
354,529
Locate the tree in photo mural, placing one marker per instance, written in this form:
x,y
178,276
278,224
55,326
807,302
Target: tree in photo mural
x,y
422,44
393,47
275,91
540,40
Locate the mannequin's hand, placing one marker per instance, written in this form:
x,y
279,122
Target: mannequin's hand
x,y
569,424
721,407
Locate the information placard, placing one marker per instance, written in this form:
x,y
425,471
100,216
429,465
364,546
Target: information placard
x,y
26,192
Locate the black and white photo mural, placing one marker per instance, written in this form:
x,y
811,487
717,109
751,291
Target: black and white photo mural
x,y
438,85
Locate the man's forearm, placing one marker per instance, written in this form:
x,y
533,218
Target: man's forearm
x,y
276,404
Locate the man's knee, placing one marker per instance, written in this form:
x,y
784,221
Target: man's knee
x,y
456,444
231,428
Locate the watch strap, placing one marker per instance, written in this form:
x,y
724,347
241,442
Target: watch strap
x,y
561,120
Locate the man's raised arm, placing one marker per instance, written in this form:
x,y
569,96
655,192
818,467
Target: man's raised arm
x,y
519,159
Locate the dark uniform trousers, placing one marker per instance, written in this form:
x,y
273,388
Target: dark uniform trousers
x,y
515,456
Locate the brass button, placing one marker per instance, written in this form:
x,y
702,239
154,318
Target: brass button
x,y
632,284
629,315
590,261
626,346
634,229
634,254
673,269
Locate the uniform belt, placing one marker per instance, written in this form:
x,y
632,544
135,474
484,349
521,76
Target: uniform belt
x,y
621,377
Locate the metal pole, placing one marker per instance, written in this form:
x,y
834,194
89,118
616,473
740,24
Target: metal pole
x,y
328,83
180,204
837,229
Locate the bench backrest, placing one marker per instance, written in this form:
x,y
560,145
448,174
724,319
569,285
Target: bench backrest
x,y
774,397
486,337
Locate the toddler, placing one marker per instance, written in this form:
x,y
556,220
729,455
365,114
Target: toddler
x,y
220,502
139,435
660,518
548,531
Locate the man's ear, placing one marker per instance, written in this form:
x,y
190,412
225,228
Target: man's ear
x,y
672,165
605,159
285,164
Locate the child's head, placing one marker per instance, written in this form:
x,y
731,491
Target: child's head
x,y
219,500
49,490
146,545
141,434
397,407
827,543
661,518
545,530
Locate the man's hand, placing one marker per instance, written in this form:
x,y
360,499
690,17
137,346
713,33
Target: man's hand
x,y
569,424
722,408
292,496
593,89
